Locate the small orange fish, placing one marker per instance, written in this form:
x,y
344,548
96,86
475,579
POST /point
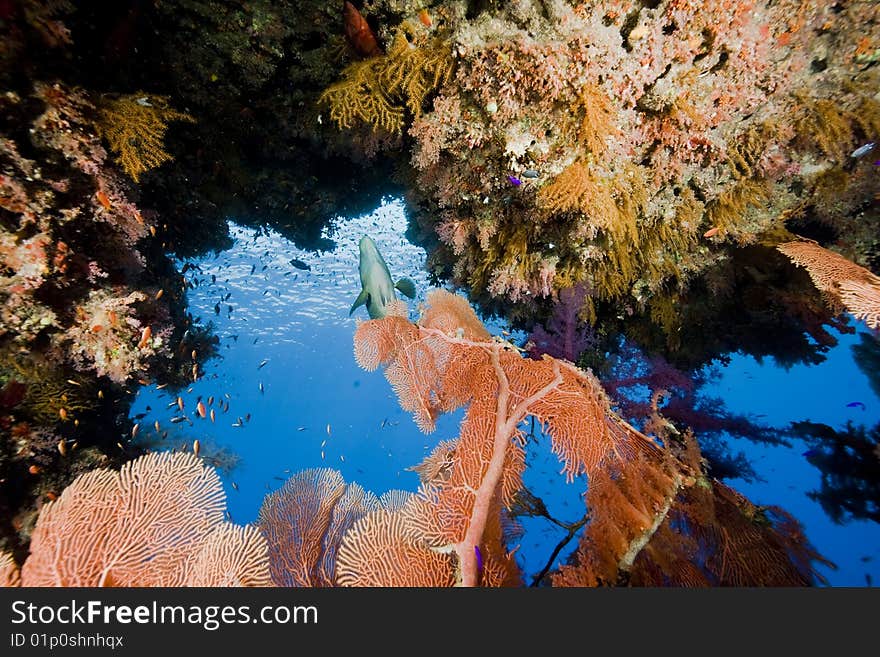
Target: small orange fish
x,y
425,18
34,469
135,429
213,416
146,334
156,425
153,231
712,232
196,372
180,403
103,199
114,318
194,354
138,217
62,413
51,496
97,328
196,447
62,448
159,294
200,407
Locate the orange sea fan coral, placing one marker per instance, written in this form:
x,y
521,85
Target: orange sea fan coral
x,y
383,550
449,360
227,558
304,521
9,573
844,283
156,522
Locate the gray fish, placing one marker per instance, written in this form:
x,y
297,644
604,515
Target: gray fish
x,y
530,173
863,150
377,289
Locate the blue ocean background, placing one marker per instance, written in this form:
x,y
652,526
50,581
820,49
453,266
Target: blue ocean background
x,y
297,399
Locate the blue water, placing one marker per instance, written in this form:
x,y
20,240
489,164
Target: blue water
x,y
818,393
289,333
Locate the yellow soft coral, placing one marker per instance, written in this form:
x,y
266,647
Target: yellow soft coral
x,y
378,91
135,127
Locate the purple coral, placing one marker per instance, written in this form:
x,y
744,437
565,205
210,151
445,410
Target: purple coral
x,y
565,336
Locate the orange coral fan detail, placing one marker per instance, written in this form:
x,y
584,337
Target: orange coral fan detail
x,y
227,556
150,524
358,32
304,521
383,550
627,504
436,466
9,574
843,282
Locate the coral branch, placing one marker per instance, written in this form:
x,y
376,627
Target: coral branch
x,y
843,282
448,360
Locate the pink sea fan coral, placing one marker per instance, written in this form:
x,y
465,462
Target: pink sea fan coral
x,y
156,522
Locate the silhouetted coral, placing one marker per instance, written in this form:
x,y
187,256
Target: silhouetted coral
x,y
849,460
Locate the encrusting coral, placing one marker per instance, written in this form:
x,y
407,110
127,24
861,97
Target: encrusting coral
x,y
631,146
82,311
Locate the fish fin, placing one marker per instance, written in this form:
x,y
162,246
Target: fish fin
x,y
406,287
362,298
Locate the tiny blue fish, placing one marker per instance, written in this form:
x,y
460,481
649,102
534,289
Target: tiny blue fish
x,y
479,559
516,182
863,150
856,405
530,173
